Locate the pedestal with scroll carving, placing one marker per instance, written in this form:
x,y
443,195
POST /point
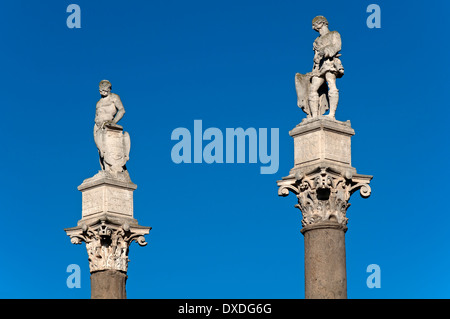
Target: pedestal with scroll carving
x,y
323,181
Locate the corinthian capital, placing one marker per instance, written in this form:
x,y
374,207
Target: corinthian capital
x,y
107,243
323,193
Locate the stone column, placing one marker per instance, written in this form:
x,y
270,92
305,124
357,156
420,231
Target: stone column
x,y
323,181
107,225
325,273
108,284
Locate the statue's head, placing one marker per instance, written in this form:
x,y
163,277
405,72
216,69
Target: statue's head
x,y
318,22
104,87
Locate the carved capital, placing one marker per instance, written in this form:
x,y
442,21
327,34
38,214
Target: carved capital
x,y
323,193
107,243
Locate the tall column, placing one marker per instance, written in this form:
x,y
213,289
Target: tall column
x,y
323,178
107,223
323,181
325,272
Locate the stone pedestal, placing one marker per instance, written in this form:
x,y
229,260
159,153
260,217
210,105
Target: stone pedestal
x,y
322,142
109,195
323,181
108,228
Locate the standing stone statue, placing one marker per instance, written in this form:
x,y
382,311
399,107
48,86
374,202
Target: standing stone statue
x,y
113,145
314,97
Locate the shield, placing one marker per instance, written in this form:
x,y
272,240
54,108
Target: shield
x,y
116,146
302,84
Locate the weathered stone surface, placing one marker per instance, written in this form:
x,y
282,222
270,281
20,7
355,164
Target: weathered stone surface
x,y
106,194
107,225
323,198
107,242
108,284
323,178
323,181
323,193
325,265
314,96
322,141
112,143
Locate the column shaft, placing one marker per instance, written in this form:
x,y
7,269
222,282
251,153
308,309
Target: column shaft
x,y
325,269
108,284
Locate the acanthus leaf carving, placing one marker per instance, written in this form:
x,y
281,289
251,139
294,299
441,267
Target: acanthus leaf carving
x,y
323,194
107,244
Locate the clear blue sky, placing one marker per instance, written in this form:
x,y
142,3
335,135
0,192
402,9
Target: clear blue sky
x,y
220,230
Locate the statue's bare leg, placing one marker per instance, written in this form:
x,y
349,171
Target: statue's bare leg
x,y
313,98
333,93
